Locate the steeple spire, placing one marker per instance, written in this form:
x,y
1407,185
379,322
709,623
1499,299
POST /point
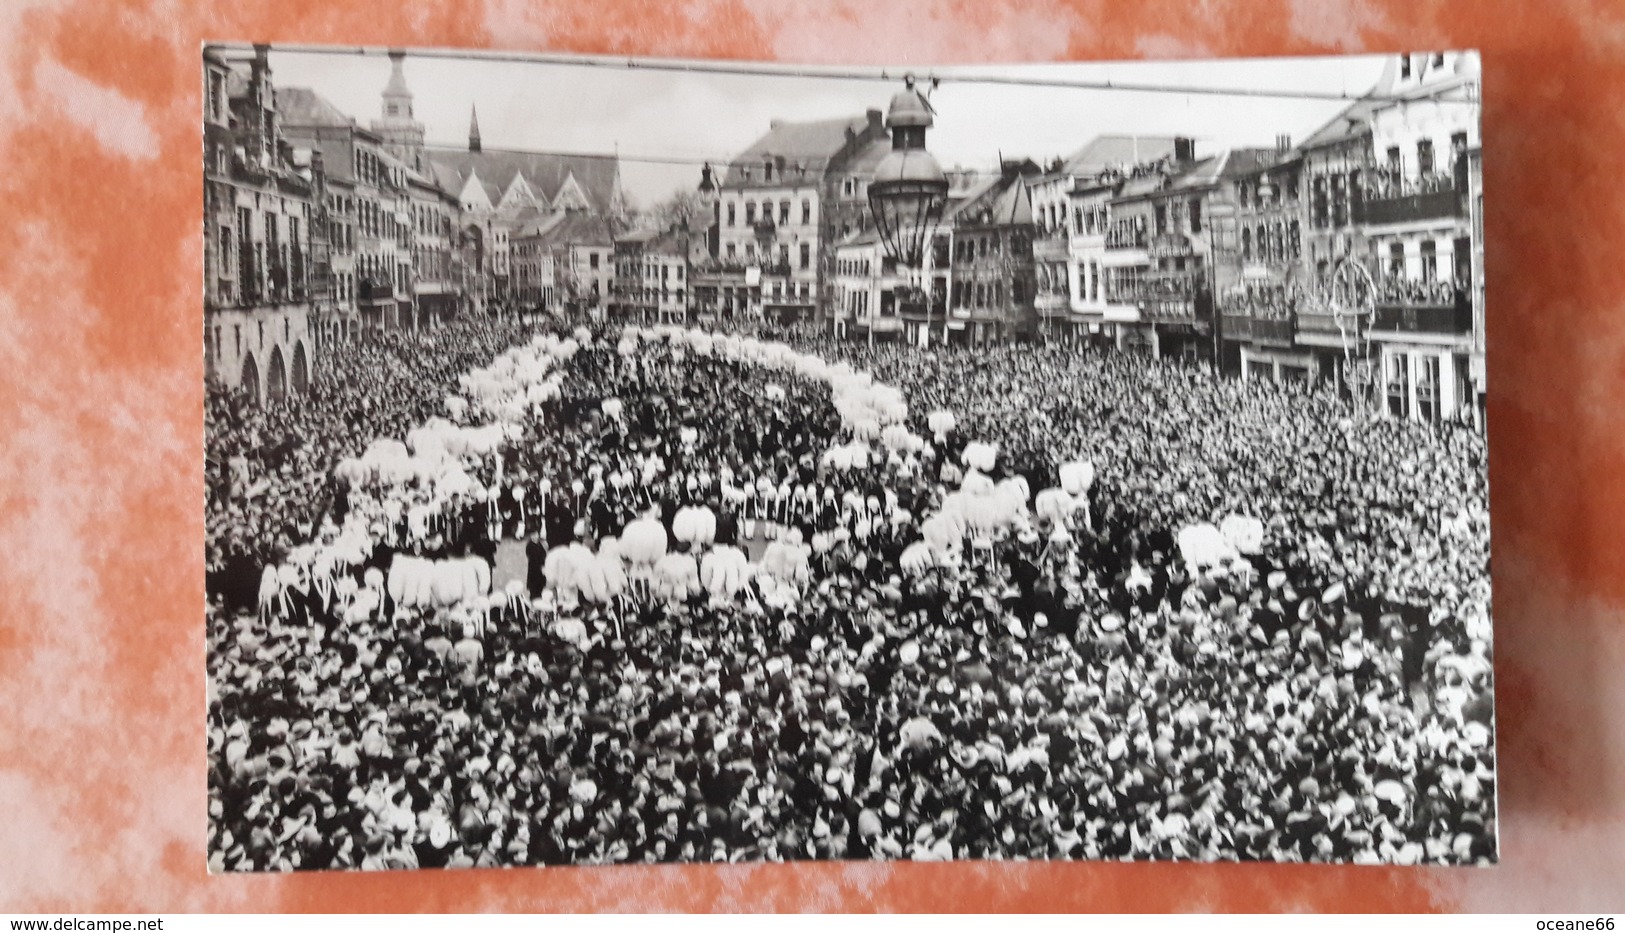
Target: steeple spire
x,y
473,128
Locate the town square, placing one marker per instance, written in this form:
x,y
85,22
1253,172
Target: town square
x,y
844,499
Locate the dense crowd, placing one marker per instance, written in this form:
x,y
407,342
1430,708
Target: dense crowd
x,y
1072,688
270,466
1267,302
1396,289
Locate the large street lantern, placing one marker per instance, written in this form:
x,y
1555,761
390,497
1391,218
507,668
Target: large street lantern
x,y
909,188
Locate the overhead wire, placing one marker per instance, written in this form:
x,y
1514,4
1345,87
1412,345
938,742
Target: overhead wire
x,y
951,75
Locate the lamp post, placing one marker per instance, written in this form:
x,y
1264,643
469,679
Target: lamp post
x,y
909,189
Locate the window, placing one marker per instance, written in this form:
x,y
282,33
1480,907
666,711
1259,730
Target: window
x,y
806,210
767,169
1162,219
848,187
592,260
784,211
750,213
1393,158
1246,243
1424,157
1196,215
806,255
1405,66
731,218
1430,261
217,96
224,247
1438,59
1396,260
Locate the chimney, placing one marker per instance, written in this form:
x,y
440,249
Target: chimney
x,y
851,134
263,102
877,120
1184,149
1283,143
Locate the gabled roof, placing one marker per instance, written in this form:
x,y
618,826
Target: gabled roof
x,y
1001,201
807,148
301,106
1104,152
538,226
576,229
1205,173
598,176
1352,123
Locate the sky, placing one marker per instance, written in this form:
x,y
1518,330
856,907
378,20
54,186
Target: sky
x,y
575,108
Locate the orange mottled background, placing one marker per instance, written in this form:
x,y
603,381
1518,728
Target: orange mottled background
x,y
102,778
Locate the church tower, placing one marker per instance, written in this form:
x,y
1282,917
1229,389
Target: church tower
x,y
473,128
401,133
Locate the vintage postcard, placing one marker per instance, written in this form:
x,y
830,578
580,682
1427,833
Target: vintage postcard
x,y
655,461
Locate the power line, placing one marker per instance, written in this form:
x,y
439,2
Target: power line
x,y
720,161
749,69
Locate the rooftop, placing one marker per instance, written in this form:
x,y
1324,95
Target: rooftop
x,y
802,151
597,176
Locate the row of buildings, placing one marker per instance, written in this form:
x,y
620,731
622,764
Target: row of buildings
x,y
317,228
1352,256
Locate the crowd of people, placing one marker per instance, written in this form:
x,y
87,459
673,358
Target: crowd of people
x,y
1073,688
270,465
1399,289
1265,301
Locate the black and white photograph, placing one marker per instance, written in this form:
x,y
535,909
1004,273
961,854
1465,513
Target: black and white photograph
x,y
650,461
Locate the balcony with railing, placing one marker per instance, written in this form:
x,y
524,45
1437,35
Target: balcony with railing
x,y
1326,323
1416,306
1454,320
1261,330
1171,243
1126,234
1397,200
1167,286
1261,312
